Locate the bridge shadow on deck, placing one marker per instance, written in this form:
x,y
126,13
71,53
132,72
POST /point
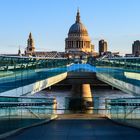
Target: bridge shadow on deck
x,y
96,128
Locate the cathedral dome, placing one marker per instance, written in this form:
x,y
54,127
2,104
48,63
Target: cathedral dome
x,y
78,40
78,28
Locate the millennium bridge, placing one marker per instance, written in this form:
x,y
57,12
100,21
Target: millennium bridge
x,y
22,77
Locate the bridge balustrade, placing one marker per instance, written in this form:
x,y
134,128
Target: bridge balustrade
x,y
39,107
31,109
122,73
19,112
122,62
126,110
17,72
14,63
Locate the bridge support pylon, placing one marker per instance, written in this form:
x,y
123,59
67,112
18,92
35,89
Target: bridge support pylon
x,y
81,98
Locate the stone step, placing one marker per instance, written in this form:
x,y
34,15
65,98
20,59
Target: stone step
x,y
81,116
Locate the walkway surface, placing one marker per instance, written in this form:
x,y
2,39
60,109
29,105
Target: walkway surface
x,y
79,129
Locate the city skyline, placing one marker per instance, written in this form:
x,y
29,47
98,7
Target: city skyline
x,y
49,21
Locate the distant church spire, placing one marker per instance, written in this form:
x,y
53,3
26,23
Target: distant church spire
x,y
30,35
30,45
30,42
78,16
19,51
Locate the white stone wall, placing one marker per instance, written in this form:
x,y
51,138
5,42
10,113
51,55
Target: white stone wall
x,y
126,87
35,87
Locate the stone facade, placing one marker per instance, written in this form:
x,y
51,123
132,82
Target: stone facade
x,y
30,50
77,44
102,47
78,41
136,48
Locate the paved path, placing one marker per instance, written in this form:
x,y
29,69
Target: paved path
x,y
74,129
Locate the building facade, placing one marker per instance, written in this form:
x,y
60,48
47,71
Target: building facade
x,y
102,47
136,48
31,51
78,42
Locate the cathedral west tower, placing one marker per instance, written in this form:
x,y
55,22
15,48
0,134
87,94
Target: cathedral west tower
x,y
30,50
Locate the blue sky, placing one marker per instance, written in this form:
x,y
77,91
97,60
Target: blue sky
x,y
116,21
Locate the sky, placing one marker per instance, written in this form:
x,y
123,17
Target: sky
x,y
116,21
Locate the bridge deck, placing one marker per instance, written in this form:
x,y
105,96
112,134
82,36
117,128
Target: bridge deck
x,y
83,129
